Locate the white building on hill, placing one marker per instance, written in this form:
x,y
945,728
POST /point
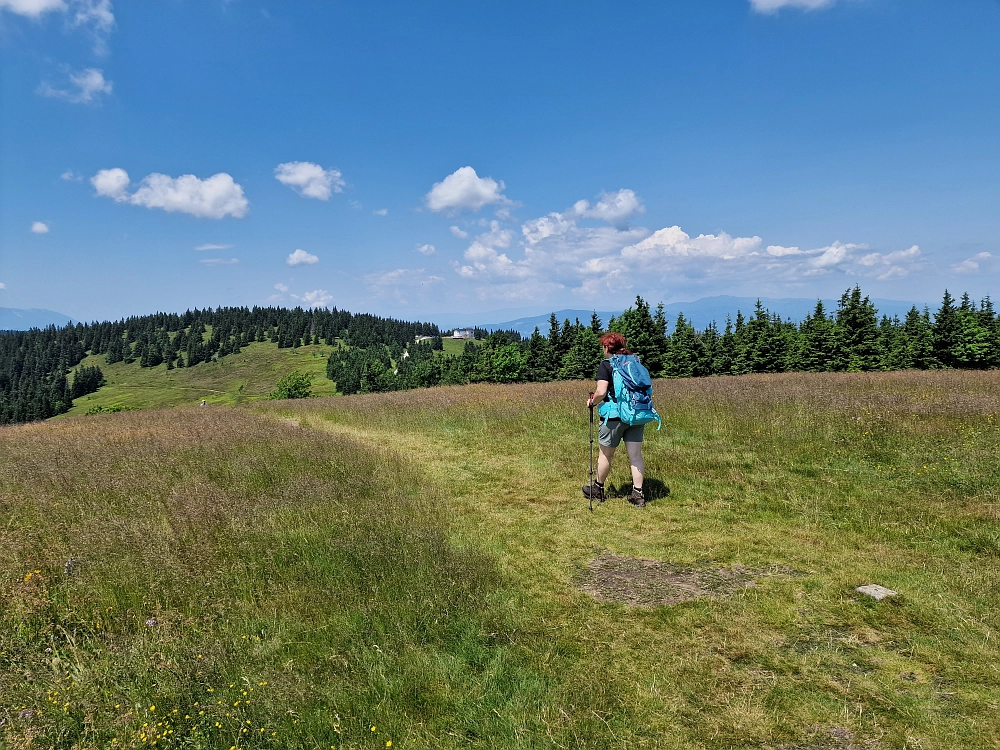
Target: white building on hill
x,y
463,333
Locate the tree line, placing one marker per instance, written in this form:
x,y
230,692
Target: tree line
x,y
38,379
852,338
40,373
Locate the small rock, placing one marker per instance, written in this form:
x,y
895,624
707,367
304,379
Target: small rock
x,y
876,592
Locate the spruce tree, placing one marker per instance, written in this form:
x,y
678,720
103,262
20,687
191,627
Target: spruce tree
x,y
643,337
541,365
973,347
946,331
554,332
686,355
580,362
857,332
711,340
918,337
725,351
818,344
891,344
763,347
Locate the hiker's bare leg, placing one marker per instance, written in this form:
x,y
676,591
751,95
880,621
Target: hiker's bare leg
x,y
638,465
604,463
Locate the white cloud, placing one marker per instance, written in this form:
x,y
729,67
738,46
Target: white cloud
x,y
281,287
2,285
458,232
673,242
70,176
773,6
315,298
32,8
94,15
301,258
464,190
485,262
613,208
39,227
111,183
86,87
310,180
779,251
400,276
974,264
426,249
219,261
556,253
210,246
891,265
216,197
381,212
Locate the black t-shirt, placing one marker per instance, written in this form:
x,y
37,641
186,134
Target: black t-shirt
x,y
605,372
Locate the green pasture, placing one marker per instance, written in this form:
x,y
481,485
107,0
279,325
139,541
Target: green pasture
x,y
453,346
235,379
407,570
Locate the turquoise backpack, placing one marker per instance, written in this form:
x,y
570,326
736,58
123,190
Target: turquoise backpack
x,y
631,393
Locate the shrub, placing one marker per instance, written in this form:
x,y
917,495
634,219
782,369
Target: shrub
x,y
114,408
293,385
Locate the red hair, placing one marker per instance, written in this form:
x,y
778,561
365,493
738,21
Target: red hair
x,y
615,343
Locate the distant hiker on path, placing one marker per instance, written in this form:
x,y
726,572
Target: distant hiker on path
x,y
613,380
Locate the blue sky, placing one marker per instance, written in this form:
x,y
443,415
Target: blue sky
x,y
418,158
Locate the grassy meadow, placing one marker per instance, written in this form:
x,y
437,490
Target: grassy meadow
x,y
236,379
408,568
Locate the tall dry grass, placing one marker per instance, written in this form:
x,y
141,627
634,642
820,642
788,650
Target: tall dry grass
x,y
836,479
411,561
210,578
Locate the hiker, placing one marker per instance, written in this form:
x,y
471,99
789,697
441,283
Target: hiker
x,y
612,430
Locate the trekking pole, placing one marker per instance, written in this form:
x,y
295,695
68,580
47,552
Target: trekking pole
x,y
591,452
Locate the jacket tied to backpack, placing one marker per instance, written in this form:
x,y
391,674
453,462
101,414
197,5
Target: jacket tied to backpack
x,y
631,393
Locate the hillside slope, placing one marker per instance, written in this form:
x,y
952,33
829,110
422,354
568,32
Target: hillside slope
x,y
235,379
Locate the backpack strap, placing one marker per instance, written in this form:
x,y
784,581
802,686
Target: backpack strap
x,y
614,371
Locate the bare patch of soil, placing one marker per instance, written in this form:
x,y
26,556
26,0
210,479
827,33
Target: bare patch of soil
x,y
831,738
639,582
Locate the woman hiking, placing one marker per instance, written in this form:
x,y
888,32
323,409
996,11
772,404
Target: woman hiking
x,y
613,431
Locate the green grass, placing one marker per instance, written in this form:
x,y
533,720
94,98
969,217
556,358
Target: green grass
x,y
238,378
412,561
838,480
453,346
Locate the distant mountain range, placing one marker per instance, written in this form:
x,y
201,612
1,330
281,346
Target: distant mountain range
x,y
14,319
699,312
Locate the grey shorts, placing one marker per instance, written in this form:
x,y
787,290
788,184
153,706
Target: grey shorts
x,y
613,431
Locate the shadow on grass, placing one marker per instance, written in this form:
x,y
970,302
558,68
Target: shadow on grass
x,y
654,489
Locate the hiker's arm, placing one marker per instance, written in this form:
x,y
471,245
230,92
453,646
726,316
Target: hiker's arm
x,y
599,394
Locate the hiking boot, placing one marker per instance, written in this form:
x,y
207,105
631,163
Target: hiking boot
x,y
598,495
637,498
